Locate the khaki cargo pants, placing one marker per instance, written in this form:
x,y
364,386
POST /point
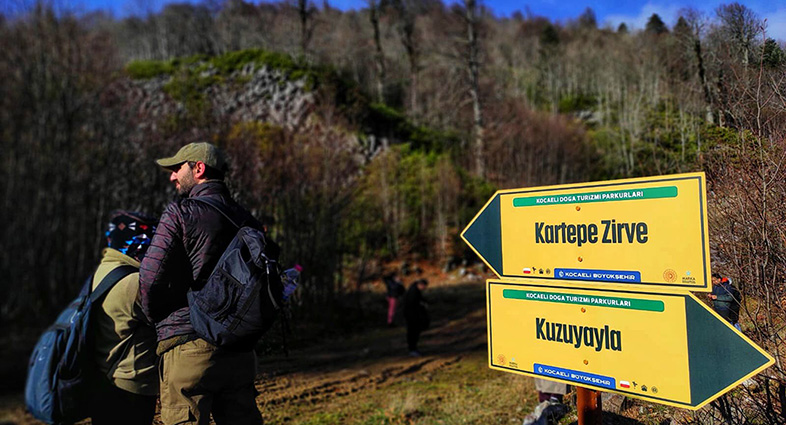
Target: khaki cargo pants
x,y
198,378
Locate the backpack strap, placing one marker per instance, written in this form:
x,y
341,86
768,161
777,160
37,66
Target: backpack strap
x,y
217,205
110,280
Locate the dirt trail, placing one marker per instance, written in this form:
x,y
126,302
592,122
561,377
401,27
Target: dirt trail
x,y
375,359
364,362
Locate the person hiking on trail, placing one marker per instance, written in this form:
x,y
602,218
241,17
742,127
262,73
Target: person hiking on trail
x,y
550,408
394,290
415,314
197,378
726,299
124,340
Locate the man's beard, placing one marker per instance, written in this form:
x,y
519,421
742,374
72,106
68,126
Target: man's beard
x,y
186,184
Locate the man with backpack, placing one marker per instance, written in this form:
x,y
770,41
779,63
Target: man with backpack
x,y
125,390
98,358
197,377
726,299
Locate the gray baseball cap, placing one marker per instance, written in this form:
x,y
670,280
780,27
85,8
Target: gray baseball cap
x,y
212,156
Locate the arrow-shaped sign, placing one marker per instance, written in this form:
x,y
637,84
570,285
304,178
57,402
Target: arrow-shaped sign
x,y
647,233
666,348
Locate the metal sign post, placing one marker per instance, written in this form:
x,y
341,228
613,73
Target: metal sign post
x,y
589,406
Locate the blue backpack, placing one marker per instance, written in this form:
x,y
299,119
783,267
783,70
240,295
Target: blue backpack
x,y
243,294
60,373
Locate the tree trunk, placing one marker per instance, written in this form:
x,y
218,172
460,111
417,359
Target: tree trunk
x,y
473,66
379,56
703,80
407,39
304,13
407,14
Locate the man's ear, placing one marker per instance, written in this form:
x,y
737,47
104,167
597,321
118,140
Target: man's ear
x,y
199,170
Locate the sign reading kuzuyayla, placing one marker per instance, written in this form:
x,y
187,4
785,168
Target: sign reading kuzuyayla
x,y
666,348
649,233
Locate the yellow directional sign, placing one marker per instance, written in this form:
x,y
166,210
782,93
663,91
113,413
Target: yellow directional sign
x,y
647,233
666,348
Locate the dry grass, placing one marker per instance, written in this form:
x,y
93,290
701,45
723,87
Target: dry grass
x,y
465,392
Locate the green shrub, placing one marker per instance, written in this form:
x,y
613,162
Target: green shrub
x,y
144,70
234,61
224,65
577,102
383,120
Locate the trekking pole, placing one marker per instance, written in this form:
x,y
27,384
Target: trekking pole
x,y
589,405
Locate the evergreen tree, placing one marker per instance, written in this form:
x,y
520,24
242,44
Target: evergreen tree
x,y
655,25
774,56
549,37
682,28
587,19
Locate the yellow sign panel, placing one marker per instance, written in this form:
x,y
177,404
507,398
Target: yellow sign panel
x,y
669,349
649,233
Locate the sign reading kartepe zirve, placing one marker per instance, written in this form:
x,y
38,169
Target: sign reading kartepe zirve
x,y
646,232
666,348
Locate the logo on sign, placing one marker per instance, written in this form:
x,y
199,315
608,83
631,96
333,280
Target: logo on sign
x,y
670,276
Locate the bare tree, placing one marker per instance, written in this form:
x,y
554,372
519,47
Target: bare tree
x,y
374,11
690,30
740,24
471,11
235,26
306,11
185,29
407,12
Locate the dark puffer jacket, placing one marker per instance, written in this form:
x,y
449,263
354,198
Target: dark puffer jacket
x,y
415,312
727,301
189,240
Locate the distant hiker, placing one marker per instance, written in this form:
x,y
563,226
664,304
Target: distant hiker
x,y
548,412
197,377
416,314
550,408
550,390
395,289
124,340
726,299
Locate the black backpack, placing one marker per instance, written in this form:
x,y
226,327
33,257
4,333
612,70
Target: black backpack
x,y
243,295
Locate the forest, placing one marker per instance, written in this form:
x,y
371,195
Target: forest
x,y
374,135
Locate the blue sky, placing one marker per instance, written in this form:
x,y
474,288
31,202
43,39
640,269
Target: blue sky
x,y
611,12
